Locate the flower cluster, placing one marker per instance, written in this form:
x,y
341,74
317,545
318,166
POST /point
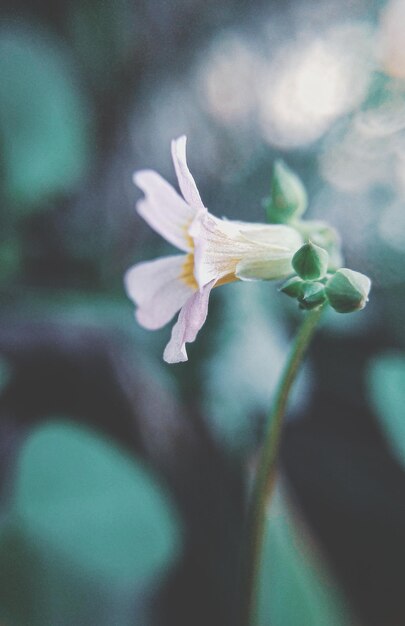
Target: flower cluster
x,y
215,251
218,251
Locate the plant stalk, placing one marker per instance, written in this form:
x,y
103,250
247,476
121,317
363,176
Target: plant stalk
x,y
266,472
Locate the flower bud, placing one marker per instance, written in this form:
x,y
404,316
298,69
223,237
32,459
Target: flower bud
x,y
310,262
325,236
288,196
313,295
347,291
293,287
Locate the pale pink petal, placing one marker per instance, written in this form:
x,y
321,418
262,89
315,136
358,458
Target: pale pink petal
x,y
214,251
157,290
222,248
278,236
163,209
186,181
191,318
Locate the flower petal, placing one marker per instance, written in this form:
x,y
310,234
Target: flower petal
x,y
191,318
157,289
272,267
163,209
214,248
186,181
275,235
274,261
220,246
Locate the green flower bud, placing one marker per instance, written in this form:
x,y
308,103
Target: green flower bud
x,y
310,262
347,291
293,287
325,236
313,295
288,199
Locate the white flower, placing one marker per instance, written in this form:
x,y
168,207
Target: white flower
x,y
215,252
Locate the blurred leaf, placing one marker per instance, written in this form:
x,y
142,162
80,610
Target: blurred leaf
x,y
87,526
104,509
294,588
44,128
386,388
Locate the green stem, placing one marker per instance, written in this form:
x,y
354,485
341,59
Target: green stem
x,y
266,471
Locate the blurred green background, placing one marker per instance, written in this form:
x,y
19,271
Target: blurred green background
x,y
124,480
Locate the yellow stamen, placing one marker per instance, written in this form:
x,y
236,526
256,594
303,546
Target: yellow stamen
x,y
187,272
229,278
188,238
